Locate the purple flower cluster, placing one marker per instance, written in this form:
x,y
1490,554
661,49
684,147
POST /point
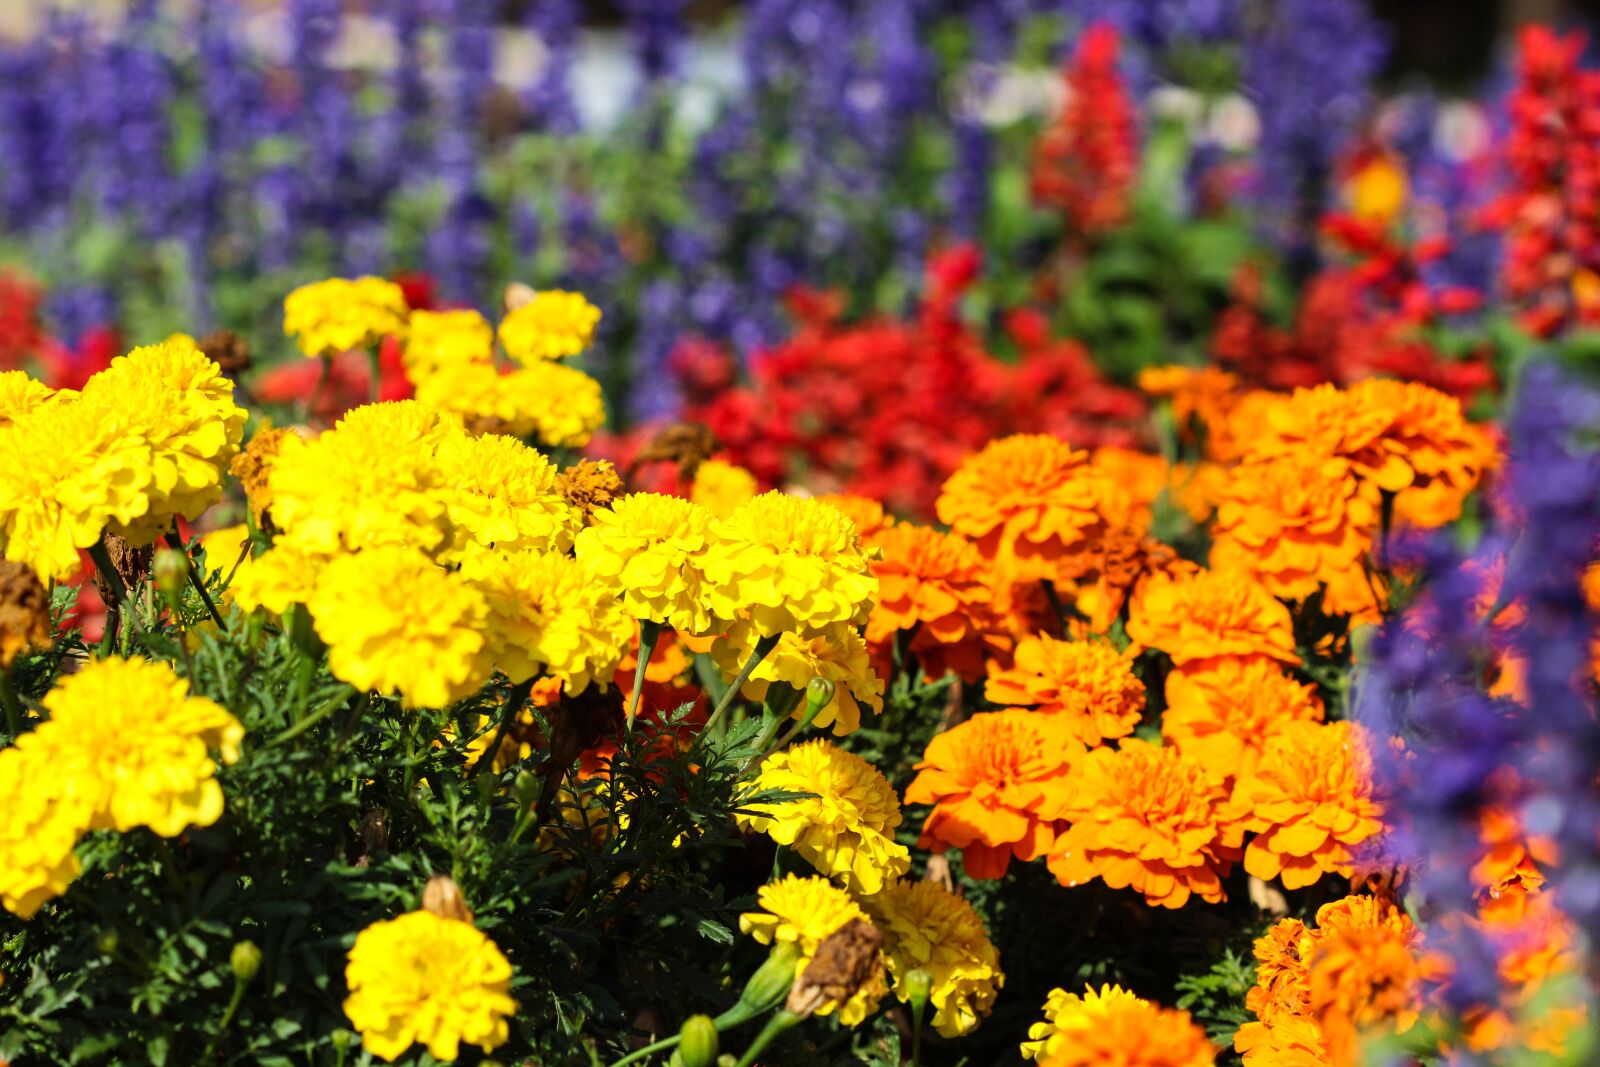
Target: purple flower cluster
x,y
1421,680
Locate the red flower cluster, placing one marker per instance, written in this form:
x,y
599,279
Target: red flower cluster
x,y
887,408
1085,164
1551,213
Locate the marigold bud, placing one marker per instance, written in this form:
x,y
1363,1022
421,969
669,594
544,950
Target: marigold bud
x,y
245,960
170,570
443,897
699,1042
819,694
106,941
772,980
526,789
919,988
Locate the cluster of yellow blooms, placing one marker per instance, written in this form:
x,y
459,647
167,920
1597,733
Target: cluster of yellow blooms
x,y
146,441
125,746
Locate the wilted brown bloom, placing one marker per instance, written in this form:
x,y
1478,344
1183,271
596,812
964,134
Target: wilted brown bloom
x,y
228,350
688,444
847,960
253,468
130,563
590,485
443,897
481,425
24,612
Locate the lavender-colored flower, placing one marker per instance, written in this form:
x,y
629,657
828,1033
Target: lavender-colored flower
x,y
549,101
659,32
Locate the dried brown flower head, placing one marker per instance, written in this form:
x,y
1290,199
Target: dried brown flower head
x,y
443,897
590,485
228,350
253,468
847,960
130,563
24,612
688,444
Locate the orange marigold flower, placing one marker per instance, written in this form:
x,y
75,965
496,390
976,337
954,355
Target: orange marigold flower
x,y
866,513
1199,616
1364,974
1310,802
1144,476
996,785
1203,394
1088,683
1145,817
1224,712
1295,522
1283,956
1329,421
1131,1032
1446,454
1294,1041
937,584
1033,505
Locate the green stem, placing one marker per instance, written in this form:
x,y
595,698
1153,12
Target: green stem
x,y
375,361
514,701
776,1025
327,708
227,1020
195,579
322,384
354,717
649,634
102,565
12,706
640,1053
763,646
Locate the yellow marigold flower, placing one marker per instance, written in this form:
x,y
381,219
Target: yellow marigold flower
x,y
276,580
1143,816
1224,712
440,339
867,514
835,652
1068,1013
788,564
1126,1031
44,818
548,609
177,400
845,831
20,394
997,785
1309,802
423,979
929,928
137,747
1295,523
505,496
1200,616
553,325
373,480
65,473
559,405
395,622
650,549
937,584
341,314
1033,505
1376,192
803,912
1088,683
722,486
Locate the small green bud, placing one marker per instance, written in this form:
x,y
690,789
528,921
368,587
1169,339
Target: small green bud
x,y
819,694
919,987
342,1039
170,570
698,1041
772,980
526,788
245,959
727,1059
107,941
